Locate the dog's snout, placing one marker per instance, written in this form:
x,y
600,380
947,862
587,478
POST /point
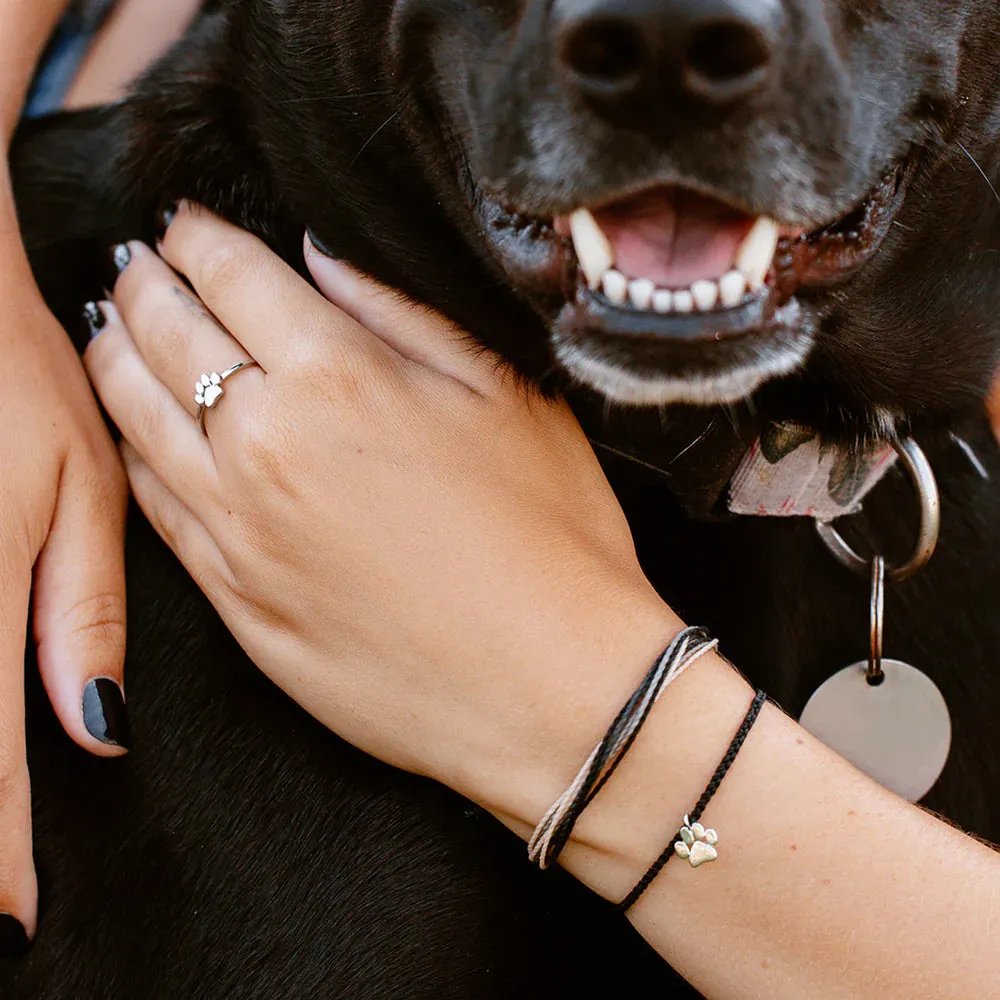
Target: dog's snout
x,y
714,52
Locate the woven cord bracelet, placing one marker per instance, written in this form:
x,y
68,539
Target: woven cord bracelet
x,y
556,826
693,841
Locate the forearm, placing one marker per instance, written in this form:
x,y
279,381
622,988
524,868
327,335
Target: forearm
x,y
826,885
25,26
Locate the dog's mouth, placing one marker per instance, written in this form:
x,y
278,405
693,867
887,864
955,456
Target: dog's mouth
x,y
675,288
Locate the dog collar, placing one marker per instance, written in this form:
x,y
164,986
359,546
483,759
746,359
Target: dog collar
x,y
781,470
789,472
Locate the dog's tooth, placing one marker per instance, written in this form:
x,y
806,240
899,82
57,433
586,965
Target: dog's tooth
x,y
683,301
615,286
732,288
593,249
705,295
757,251
663,301
640,293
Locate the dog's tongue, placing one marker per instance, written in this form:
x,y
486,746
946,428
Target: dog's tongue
x,y
673,236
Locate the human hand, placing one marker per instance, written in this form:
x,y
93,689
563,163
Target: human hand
x,y
63,498
420,551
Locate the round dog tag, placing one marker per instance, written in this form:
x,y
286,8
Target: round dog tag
x,y
897,732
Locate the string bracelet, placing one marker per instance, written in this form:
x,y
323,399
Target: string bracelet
x,y
554,830
693,841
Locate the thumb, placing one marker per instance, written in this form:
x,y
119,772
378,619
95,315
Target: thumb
x,y
411,329
79,615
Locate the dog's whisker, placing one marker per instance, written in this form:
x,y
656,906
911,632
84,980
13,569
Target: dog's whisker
x,y
973,458
866,99
975,163
701,437
324,98
376,134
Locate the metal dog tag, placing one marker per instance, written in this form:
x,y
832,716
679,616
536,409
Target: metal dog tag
x,y
887,718
898,732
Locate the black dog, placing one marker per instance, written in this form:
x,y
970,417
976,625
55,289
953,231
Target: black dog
x,y
448,146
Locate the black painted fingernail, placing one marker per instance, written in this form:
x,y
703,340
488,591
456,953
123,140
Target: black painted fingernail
x,y
164,219
320,245
13,937
121,257
104,713
96,320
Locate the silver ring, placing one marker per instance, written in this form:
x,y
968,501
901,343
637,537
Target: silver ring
x,y
916,464
208,389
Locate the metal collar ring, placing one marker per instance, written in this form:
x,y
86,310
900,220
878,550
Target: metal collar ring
x,y
875,676
916,464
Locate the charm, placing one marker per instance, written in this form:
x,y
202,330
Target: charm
x,y
697,845
887,718
208,390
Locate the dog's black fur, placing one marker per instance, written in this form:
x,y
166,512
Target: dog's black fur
x,y
242,851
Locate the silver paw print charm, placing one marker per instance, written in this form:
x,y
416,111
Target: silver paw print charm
x,y
208,389
697,844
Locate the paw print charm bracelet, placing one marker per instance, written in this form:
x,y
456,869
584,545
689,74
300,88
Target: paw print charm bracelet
x,y
886,717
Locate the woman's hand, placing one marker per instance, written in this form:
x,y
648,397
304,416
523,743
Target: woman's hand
x,y
434,565
426,557
62,509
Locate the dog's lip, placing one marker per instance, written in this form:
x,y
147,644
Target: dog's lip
x,y
805,263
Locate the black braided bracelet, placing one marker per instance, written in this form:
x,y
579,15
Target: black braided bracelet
x,y
697,843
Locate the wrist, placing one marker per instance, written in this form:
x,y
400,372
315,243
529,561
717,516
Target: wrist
x,y
659,779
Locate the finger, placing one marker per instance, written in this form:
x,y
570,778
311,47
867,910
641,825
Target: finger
x,y
149,416
176,524
269,308
79,607
173,331
413,330
18,888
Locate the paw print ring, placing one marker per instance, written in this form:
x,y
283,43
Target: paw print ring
x,y
697,845
208,389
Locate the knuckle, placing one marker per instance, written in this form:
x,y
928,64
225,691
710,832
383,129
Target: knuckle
x,y
224,264
266,451
347,381
97,620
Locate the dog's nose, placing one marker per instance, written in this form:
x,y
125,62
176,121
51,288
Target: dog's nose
x,y
714,52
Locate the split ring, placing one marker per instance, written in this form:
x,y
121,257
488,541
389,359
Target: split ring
x,y
916,464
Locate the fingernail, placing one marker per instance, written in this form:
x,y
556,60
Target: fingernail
x,y
164,219
96,320
104,713
320,246
13,937
121,256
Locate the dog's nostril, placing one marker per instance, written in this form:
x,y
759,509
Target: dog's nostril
x,y
667,55
603,55
724,55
